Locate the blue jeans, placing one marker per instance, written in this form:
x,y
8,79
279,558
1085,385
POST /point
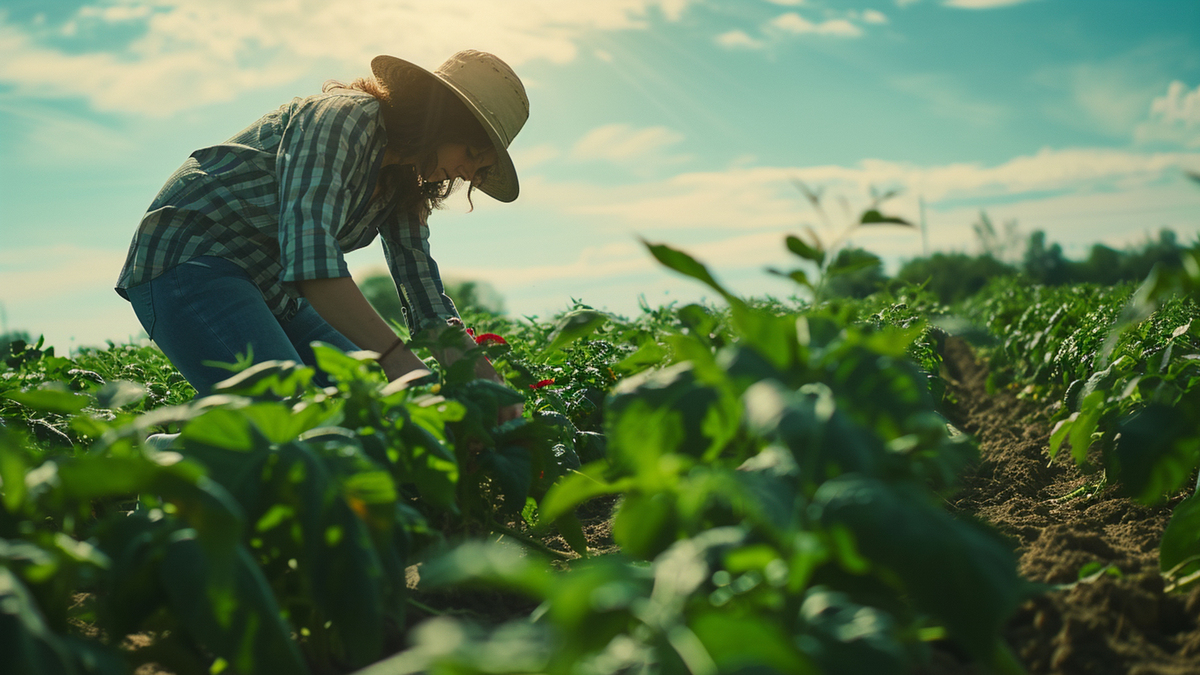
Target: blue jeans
x,y
208,309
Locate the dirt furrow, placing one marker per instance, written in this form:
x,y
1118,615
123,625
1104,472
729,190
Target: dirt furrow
x,y
1120,623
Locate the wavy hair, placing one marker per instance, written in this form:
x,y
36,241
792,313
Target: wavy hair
x,y
420,115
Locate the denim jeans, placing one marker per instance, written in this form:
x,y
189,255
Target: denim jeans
x,y
208,309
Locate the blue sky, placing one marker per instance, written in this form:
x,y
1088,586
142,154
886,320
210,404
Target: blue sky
x,y
681,121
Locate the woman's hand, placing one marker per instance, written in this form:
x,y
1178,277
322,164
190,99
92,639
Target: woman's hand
x,y
483,370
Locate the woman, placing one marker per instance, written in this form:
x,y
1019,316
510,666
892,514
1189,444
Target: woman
x,y
241,253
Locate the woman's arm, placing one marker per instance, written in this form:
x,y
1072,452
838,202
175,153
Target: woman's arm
x,y
340,302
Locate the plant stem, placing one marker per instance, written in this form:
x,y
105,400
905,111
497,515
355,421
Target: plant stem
x,y
530,541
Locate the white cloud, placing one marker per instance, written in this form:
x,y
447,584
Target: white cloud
x,y
52,137
750,198
193,53
792,22
116,13
968,4
736,39
528,158
874,16
1108,96
982,4
46,273
1174,118
622,143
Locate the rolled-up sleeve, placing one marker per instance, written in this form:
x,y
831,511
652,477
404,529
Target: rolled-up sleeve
x,y
406,245
322,169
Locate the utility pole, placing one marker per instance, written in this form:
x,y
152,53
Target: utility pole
x,y
924,231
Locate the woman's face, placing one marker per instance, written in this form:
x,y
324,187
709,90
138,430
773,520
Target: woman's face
x,y
458,160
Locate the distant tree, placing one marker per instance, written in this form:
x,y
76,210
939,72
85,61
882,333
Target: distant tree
x,y
380,291
6,340
1102,266
862,274
1042,264
1139,261
475,294
953,276
1003,245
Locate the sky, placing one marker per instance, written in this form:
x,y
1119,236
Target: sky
x,y
685,122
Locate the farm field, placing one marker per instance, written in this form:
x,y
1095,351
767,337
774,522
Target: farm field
x,y
883,485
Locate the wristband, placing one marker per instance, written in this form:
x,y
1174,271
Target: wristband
x,y
389,350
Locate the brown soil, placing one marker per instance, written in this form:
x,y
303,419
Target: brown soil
x,y
1119,623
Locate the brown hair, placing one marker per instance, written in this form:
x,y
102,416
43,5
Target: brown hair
x,y
420,115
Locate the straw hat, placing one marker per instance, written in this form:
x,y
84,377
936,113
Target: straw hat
x,y
492,92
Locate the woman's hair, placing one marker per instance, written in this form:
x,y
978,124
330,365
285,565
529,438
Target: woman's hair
x,y
420,115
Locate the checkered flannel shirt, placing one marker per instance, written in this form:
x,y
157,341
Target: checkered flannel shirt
x,y
284,199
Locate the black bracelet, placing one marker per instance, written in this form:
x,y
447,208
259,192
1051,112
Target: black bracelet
x,y
389,350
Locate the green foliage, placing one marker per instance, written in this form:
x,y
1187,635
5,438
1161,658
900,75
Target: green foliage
x,y
855,273
779,468
953,277
779,479
1124,362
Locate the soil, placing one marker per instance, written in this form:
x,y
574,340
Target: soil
x,y
1118,622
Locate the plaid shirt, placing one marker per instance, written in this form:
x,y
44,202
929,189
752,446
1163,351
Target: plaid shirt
x,y
284,199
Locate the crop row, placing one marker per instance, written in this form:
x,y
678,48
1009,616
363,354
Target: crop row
x,y
1124,363
780,474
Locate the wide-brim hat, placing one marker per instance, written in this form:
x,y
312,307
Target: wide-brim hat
x,y
490,90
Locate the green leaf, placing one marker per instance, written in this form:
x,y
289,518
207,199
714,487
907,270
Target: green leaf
x,y
576,488
339,365
52,397
845,637
687,265
796,245
284,379
746,643
798,276
118,394
1080,435
874,217
280,424
27,645
571,530
509,467
971,585
649,354
221,428
490,563
13,467
1179,553
572,326
1157,450
664,411
253,638
646,524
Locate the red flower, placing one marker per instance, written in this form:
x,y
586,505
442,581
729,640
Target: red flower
x,y
485,338
543,383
